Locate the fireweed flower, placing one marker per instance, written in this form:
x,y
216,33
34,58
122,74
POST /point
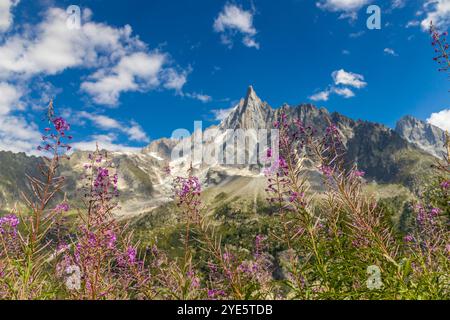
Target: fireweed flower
x,y
194,279
111,239
441,48
187,192
105,182
8,225
131,254
62,207
188,186
358,173
282,173
215,293
61,125
275,167
426,216
228,257
54,140
326,170
212,267
445,185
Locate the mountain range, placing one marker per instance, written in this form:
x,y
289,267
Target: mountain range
x,y
401,156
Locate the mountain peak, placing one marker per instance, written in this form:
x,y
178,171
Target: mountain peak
x,y
251,99
422,134
251,94
251,112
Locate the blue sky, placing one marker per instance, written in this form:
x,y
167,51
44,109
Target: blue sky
x,y
136,70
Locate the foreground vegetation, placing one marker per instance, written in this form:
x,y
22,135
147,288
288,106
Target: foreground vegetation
x,y
341,244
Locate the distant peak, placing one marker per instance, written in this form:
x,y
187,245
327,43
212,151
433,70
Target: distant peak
x,y
409,118
250,113
251,94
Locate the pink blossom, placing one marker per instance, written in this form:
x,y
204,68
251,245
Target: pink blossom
x,y
61,125
62,207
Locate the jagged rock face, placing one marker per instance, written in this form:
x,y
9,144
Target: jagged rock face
x,y
373,148
253,113
424,135
160,148
250,113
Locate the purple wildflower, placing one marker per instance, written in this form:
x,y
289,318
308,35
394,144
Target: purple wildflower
x,y
61,125
8,224
62,207
111,239
326,170
358,173
188,186
131,254
215,293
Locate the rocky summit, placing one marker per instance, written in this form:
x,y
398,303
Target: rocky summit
x,y
424,135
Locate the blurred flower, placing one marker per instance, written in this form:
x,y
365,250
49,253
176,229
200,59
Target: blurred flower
x,y
8,224
61,125
62,207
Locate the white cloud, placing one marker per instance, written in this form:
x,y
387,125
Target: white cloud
x,y
342,77
17,135
390,52
6,16
321,96
250,42
398,4
342,5
345,52
136,72
137,133
440,119
9,96
412,23
344,92
348,8
438,12
102,121
106,142
50,47
325,94
233,19
342,80
122,62
173,79
358,34
134,131
199,96
222,114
